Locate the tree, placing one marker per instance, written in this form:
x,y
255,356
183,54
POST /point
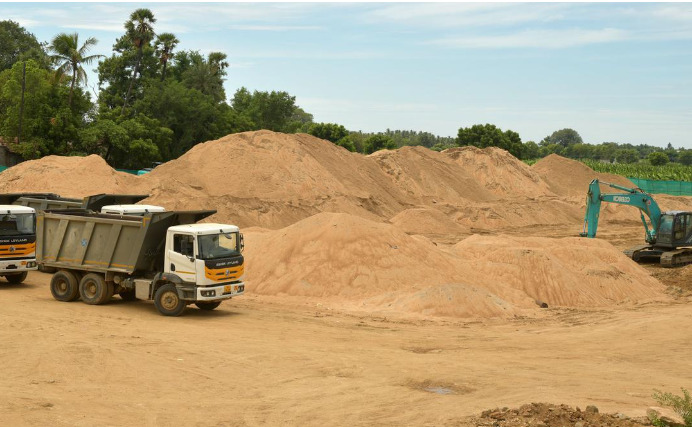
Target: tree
x,y
564,137
266,110
140,31
530,150
379,142
685,157
69,57
488,135
164,45
329,131
17,44
658,158
628,156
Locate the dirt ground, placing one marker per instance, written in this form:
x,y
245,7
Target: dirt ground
x,y
267,360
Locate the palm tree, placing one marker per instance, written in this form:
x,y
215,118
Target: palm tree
x,y
140,31
217,62
69,57
165,43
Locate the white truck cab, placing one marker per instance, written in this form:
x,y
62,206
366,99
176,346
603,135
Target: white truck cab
x,y
131,209
17,242
209,255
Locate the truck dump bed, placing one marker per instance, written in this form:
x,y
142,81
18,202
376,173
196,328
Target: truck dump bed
x,y
81,239
47,201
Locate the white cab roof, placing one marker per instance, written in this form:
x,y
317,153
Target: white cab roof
x,y
16,209
204,228
131,209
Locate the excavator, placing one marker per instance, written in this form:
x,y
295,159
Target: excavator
x,y
668,234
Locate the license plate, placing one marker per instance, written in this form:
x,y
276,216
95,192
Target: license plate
x,y
227,289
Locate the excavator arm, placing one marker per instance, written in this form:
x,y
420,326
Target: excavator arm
x,y
632,197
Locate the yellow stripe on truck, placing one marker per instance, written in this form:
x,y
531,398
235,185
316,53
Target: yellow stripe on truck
x,y
224,274
17,250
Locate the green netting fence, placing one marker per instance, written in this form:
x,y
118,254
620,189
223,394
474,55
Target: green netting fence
x,y
675,188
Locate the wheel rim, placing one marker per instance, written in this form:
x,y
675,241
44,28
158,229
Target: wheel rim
x,y
169,300
90,289
61,287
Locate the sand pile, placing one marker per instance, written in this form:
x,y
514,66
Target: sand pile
x,y
67,176
272,180
428,177
427,221
567,177
499,172
364,265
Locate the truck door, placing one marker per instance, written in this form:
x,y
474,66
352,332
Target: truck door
x,y
181,258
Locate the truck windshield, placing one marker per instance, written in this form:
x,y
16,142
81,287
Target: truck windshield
x,y
17,224
222,245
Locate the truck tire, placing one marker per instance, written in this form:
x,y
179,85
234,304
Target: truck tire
x,y
94,289
208,305
18,278
167,300
64,286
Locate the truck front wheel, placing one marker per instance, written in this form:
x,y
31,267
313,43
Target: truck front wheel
x,y
167,301
94,289
204,305
16,279
64,286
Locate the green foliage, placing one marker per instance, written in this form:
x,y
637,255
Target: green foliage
x,y
658,158
17,44
274,111
69,57
628,156
668,172
489,135
681,405
564,137
685,157
329,131
379,142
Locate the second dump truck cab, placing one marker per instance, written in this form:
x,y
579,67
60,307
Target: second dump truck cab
x,y
17,242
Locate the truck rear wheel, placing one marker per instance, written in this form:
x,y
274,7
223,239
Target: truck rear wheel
x,y
94,289
167,300
64,286
16,279
208,305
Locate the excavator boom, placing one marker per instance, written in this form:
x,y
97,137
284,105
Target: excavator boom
x,y
631,197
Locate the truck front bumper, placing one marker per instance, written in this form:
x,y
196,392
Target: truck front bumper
x,y
17,266
220,292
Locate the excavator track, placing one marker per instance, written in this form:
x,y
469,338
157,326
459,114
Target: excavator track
x,y
642,252
676,258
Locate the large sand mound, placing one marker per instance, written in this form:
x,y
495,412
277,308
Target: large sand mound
x,y
272,180
67,176
567,177
427,221
372,266
499,172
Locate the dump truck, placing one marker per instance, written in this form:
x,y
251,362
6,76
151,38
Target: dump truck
x,y
17,242
162,256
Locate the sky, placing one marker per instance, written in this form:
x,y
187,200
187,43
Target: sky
x,y
614,72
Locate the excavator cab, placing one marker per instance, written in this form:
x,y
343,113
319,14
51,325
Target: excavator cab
x,y
675,230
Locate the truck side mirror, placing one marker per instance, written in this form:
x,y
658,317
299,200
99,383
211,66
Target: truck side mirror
x,y
242,243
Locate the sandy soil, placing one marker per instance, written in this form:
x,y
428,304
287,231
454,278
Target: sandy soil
x,y
258,360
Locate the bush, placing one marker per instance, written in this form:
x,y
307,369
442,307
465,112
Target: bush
x,y
658,158
681,405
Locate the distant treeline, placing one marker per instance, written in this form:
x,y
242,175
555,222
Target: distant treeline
x,y
154,102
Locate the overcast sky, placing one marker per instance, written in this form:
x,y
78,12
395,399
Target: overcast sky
x,y
614,72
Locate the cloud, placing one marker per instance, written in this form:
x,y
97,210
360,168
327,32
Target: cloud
x,y
275,27
550,39
437,15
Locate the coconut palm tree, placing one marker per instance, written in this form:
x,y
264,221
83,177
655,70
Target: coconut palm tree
x,y
140,31
69,57
217,62
165,43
